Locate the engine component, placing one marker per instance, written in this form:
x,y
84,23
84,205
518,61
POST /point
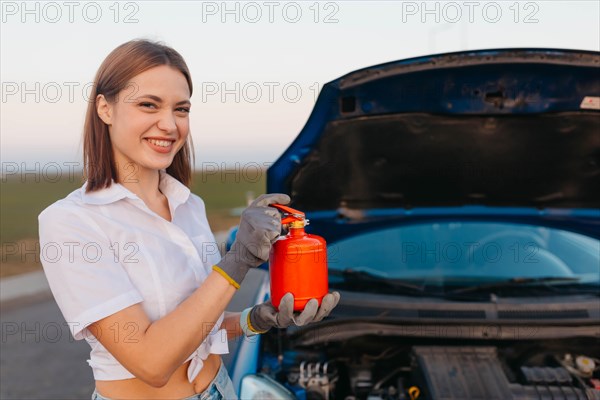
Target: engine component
x,y
452,373
585,365
462,373
384,370
313,377
546,375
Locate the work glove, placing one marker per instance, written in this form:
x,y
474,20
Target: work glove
x,y
262,317
260,226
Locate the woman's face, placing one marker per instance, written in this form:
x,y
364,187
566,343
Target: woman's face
x,y
148,121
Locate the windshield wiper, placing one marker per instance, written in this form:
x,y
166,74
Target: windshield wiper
x,y
514,282
361,280
358,279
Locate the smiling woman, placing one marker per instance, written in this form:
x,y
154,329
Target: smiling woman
x,y
132,119
137,148
156,89
144,292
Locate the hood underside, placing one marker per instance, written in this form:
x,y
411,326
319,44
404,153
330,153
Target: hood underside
x,y
409,160
515,127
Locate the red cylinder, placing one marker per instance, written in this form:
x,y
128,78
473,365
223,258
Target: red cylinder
x,y
298,264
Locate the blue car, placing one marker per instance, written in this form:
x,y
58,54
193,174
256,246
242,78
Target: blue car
x,y
459,195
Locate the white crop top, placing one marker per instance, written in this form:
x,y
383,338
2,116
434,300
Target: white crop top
x,y
106,250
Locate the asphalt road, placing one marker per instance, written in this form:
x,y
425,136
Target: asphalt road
x,y
39,359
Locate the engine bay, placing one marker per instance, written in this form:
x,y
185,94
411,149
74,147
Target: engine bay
x,y
376,367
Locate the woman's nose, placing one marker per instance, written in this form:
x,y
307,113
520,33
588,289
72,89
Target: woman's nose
x,y
166,122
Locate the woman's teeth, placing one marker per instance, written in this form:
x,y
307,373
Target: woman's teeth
x,y
162,143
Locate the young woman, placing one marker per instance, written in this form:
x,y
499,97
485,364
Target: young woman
x,y
130,257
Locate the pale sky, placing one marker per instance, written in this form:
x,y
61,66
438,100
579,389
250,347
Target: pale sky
x,y
273,56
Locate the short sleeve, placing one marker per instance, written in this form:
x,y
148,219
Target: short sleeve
x,y
86,278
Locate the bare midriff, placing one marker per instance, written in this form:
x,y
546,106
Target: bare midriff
x,y
178,386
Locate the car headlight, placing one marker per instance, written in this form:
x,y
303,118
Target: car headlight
x,y
264,388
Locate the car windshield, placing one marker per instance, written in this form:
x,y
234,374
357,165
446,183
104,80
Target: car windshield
x,y
471,252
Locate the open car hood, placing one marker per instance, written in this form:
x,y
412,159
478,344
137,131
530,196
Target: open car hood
x,y
495,131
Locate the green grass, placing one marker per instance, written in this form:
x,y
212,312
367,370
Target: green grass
x,y
227,189
22,200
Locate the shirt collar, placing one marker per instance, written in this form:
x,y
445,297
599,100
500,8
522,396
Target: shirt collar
x,y
175,191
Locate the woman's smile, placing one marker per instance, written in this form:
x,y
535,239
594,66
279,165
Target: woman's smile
x,y
160,145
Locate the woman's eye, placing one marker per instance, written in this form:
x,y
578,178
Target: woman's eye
x,y
153,106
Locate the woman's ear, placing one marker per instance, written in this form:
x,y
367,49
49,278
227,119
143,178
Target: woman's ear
x,y
104,109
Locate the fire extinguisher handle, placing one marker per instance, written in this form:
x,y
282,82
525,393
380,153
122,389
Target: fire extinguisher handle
x,y
290,214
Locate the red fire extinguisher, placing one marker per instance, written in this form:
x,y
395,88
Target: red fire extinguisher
x,y
298,262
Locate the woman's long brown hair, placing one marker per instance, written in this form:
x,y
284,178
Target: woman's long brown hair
x,y
119,67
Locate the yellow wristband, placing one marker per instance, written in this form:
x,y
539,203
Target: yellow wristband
x,y
224,275
253,329
245,324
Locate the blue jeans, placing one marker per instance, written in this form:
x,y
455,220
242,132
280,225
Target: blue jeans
x,y
220,388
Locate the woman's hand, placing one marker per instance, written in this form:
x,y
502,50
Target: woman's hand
x,y
260,226
263,317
